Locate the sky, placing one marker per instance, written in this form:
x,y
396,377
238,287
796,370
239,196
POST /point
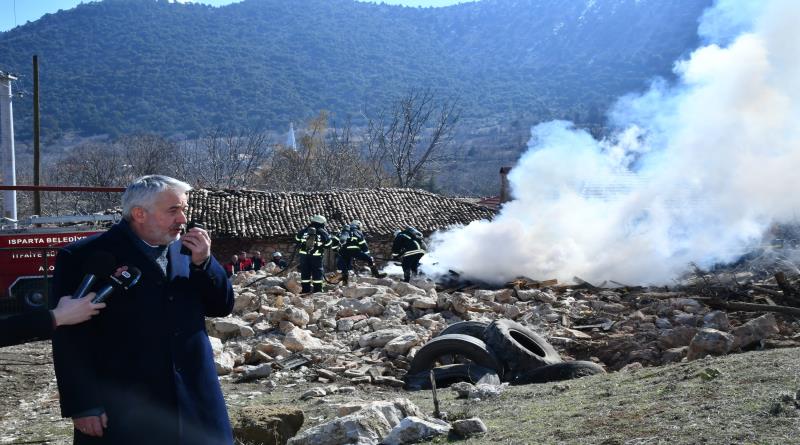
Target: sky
x,y
18,12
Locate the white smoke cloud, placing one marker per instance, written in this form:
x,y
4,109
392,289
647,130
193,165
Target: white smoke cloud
x,y
696,171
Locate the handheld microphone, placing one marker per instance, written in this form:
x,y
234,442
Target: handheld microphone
x,y
122,280
99,263
192,224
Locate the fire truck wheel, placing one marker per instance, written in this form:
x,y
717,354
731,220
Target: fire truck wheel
x,y
471,328
454,349
558,371
447,375
519,348
34,299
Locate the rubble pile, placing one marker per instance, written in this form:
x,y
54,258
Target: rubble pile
x,y
371,331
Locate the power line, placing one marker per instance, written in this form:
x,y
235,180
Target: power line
x,y
15,13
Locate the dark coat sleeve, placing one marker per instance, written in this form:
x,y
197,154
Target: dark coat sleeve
x,y
22,328
73,346
213,286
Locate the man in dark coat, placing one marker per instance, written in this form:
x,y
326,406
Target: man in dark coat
x,y
142,371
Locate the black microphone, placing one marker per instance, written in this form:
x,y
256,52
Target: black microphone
x,y
100,263
122,280
192,224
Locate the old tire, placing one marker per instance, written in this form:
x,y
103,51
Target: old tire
x,y
471,328
557,372
447,375
519,348
454,345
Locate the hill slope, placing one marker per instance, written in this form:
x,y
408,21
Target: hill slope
x,y
121,66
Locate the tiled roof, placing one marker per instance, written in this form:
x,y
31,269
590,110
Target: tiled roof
x,y
256,214
493,202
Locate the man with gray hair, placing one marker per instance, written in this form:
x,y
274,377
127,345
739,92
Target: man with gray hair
x,y
142,371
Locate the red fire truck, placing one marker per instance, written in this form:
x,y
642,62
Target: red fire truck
x,y
28,250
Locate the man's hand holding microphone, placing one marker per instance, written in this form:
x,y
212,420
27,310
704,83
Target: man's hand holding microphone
x,y
196,243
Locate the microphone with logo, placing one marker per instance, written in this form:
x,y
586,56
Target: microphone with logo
x,y
99,264
121,280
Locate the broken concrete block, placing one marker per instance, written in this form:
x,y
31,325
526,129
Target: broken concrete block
x,y
299,339
402,344
298,317
404,289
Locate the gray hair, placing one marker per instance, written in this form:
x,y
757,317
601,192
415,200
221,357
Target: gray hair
x,y
143,191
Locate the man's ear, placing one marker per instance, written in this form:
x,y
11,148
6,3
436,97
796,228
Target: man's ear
x,y
138,214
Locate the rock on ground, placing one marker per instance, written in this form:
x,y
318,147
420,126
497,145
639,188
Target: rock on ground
x,y
709,342
364,424
469,427
267,425
414,429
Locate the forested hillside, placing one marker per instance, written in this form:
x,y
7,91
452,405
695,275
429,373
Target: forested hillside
x,y
122,66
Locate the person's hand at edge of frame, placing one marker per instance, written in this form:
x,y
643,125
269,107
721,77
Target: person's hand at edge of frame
x,y
73,311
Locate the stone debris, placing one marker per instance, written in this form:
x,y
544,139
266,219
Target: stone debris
x,y
250,372
481,391
365,424
381,323
414,429
313,392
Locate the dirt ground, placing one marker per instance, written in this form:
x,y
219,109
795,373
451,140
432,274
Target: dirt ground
x,y
748,398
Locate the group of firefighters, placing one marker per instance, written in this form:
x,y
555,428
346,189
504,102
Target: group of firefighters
x,y
350,244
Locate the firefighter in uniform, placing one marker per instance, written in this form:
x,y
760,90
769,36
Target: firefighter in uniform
x,y
409,245
311,244
353,245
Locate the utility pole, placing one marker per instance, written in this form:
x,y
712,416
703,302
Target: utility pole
x,y
37,160
7,146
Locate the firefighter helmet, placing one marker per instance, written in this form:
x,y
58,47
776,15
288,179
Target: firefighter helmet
x,y
413,231
319,219
356,224
276,255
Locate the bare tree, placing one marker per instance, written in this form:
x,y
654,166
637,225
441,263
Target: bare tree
x,y
327,157
411,137
93,165
221,159
148,154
